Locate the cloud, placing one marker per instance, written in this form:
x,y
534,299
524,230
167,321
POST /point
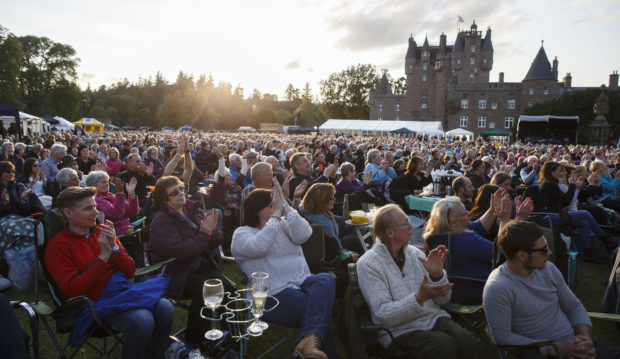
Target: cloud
x,y
365,28
292,65
86,76
310,70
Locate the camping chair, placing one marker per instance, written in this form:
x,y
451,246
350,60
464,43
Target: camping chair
x,y
34,325
357,311
314,249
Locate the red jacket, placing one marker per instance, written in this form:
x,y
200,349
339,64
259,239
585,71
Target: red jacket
x,y
72,261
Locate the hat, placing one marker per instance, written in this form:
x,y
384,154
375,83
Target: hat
x,y
65,161
251,154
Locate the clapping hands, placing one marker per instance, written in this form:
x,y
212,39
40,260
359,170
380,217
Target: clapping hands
x,y
209,222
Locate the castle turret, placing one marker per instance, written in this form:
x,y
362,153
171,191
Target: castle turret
x,y
554,70
540,83
442,43
613,80
540,68
568,80
410,57
384,87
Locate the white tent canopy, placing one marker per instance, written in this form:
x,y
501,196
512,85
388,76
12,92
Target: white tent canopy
x,y
378,128
29,123
460,132
63,125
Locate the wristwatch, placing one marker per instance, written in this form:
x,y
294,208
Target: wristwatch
x,y
115,250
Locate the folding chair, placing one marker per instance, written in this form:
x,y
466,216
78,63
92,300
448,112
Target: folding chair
x,y
65,308
356,304
34,325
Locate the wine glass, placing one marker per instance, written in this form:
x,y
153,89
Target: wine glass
x,y
213,294
260,290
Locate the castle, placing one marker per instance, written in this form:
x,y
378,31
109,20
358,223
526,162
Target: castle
x,y
450,83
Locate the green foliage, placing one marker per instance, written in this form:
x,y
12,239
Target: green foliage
x,y
345,93
312,114
283,117
580,103
11,54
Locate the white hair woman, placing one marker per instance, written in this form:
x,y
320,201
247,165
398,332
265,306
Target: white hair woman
x,y
116,207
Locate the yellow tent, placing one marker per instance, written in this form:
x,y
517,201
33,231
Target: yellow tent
x,y
90,124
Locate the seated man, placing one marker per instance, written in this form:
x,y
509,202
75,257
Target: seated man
x,y
404,289
526,278
465,190
86,259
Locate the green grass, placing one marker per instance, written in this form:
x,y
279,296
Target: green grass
x,y
590,286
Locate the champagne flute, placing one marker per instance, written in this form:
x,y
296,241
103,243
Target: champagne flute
x,y
260,290
213,294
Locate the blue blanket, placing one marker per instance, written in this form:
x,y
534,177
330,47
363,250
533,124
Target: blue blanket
x,y
120,295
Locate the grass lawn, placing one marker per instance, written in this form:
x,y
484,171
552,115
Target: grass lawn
x,y
590,286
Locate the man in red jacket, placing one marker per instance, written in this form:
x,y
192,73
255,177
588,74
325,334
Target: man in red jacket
x,y
82,258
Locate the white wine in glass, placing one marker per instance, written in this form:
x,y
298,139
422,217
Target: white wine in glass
x,y
213,294
260,291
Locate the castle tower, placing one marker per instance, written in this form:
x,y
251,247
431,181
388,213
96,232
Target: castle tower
x,y
540,83
472,56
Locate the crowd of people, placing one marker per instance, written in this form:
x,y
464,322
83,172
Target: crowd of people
x,y
255,195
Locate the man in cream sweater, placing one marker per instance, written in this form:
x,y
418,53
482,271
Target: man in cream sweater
x,y
404,289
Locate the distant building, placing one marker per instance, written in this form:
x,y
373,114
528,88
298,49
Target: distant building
x,y
450,83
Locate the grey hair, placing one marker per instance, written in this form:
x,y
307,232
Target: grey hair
x,y
234,157
20,146
62,177
94,177
372,154
270,159
57,148
152,148
259,167
6,144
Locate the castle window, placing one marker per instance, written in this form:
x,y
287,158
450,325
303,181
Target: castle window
x,y
511,104
472,60
458,62
397,118
424,78
484,61
546,92
425,66
397,107
463,121
530,104
491,124
379,118
482,121
494,106
425,53
531,90
464,103
509,122
380,107
482,104
473,48
410,68
423,102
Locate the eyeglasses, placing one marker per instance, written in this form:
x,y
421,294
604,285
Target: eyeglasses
x,y
176,191
542,250
35,165
9,171
402,225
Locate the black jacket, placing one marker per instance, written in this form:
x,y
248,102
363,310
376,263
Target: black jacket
x,y
551,198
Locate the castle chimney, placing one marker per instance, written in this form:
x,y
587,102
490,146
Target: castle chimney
x,y
555,68
613,80
568,80
442,42
501,77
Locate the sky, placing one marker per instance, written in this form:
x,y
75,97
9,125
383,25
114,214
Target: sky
x,y
268,44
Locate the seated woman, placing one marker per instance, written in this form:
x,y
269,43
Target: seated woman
x,y
84,161
116,207
16,198
181,229
415,178
340,250
482,203
470,253
114,164
609,183
270,241
34,178
552,199
348,183
152,155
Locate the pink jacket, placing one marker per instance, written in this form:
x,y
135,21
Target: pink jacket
x,y
114,166
118,210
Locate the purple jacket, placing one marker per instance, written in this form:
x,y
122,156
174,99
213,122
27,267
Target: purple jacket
x,y
118,210
347,187
175,236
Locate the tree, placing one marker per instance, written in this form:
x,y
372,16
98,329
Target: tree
x,y
345,94
311,114
46,66
262,116
283,117
307,94
11,54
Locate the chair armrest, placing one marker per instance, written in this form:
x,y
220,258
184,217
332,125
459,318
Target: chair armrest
x,y
605,316
368,326
456,308
43,309
153,268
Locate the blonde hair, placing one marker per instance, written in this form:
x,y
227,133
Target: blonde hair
x,y
317,197
384,219
444,212
596,165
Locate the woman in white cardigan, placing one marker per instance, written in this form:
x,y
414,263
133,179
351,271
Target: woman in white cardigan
x,y
270,241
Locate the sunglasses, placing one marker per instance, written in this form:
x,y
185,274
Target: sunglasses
x,y
35,165
9,171
541,250
176,191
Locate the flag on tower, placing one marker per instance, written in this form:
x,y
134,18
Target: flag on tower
x,y
461,18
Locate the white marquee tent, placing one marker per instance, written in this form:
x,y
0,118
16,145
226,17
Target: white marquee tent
x,y
460,132
380,128
63,125
29,123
